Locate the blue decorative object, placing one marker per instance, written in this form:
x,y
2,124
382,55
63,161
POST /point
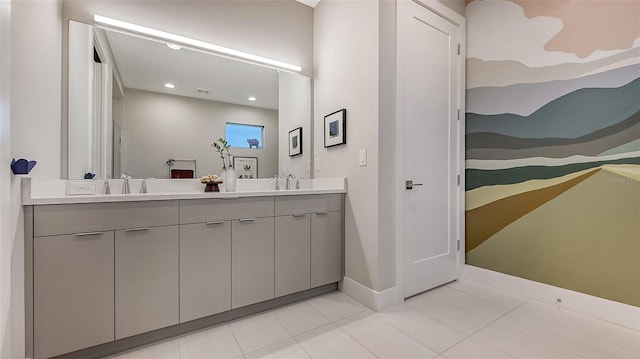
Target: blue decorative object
x,y
22,166
89,175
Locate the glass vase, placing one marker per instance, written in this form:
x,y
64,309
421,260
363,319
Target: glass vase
x,y
230,180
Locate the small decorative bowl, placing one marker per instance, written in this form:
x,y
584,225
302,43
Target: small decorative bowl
x,y
211,187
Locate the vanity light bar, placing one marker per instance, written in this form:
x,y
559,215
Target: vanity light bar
x,y
192,42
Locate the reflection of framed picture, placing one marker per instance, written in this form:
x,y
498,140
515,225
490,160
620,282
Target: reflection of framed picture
x,y
246,167
335,128
295,142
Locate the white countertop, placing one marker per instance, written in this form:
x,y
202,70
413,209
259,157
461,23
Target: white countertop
x,y
39,191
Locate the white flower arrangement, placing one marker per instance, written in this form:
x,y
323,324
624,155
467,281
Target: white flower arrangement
x,y
211,179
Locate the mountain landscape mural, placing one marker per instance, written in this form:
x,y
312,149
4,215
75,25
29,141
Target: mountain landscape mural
x,y
553,144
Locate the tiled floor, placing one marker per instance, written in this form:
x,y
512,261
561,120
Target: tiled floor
x,y
459,320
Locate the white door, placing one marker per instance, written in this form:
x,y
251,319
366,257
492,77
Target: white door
x,y
430,95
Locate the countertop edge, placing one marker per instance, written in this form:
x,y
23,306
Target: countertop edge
x,y
137,197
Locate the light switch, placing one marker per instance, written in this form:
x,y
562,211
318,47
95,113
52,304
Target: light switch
x,y
317,163
362,158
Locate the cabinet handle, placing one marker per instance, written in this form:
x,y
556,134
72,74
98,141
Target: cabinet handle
x,y
299,214
321,213
246,219
216,222
88,234
136,229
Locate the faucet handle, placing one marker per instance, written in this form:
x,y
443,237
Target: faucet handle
x,y
143,186
276,177
107,189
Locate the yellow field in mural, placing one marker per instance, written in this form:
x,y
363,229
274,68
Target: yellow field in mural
x,y
553,143
586,239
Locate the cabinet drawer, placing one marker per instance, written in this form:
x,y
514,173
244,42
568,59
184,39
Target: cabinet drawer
x,y
285,205
205,210
205,269
73,292
146,280
252,261
78,218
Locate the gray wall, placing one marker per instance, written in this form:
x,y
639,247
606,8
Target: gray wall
x,y
33,133
346,67
159,126
6,238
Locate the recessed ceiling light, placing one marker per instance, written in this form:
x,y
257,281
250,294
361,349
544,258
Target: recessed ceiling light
x,y
252,98
169,85
173,46
103,22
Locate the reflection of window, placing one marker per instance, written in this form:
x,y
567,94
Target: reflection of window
x,y
245,136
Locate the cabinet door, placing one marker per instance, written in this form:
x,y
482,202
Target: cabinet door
x,y
146,278
252,247
205,269
73,292
292,253
326,248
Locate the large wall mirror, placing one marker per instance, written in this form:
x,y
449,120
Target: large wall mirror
x,y
137,103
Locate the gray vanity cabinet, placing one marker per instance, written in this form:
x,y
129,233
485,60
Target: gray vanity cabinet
x,y
73,282
292,254
205,269
323,238
252,263
326,247
106,271
146,277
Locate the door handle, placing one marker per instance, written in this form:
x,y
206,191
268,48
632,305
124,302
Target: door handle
x,y
408,184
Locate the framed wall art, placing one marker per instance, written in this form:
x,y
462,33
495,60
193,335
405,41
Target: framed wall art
x,y
295,142
245,167
335,128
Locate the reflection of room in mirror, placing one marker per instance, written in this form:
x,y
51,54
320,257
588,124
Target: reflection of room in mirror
x,y
153,123
183,169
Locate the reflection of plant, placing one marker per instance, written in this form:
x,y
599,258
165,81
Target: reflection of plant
x,y
221,145
170,162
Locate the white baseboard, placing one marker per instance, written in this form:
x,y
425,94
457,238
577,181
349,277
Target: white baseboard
x,y
608,310
373,299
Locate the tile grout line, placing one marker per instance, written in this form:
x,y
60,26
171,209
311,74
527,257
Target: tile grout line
x,y
396,329
544,340
579,331
519,331
237,342
416,339
491,300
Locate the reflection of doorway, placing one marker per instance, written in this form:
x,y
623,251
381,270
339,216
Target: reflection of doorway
x,y
117,145
117,115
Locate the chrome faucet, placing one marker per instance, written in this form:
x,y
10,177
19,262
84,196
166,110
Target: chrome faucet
x,y
276,177
107,189
289,178
125,186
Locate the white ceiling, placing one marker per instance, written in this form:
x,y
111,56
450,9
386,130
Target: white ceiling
x,y
147,65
